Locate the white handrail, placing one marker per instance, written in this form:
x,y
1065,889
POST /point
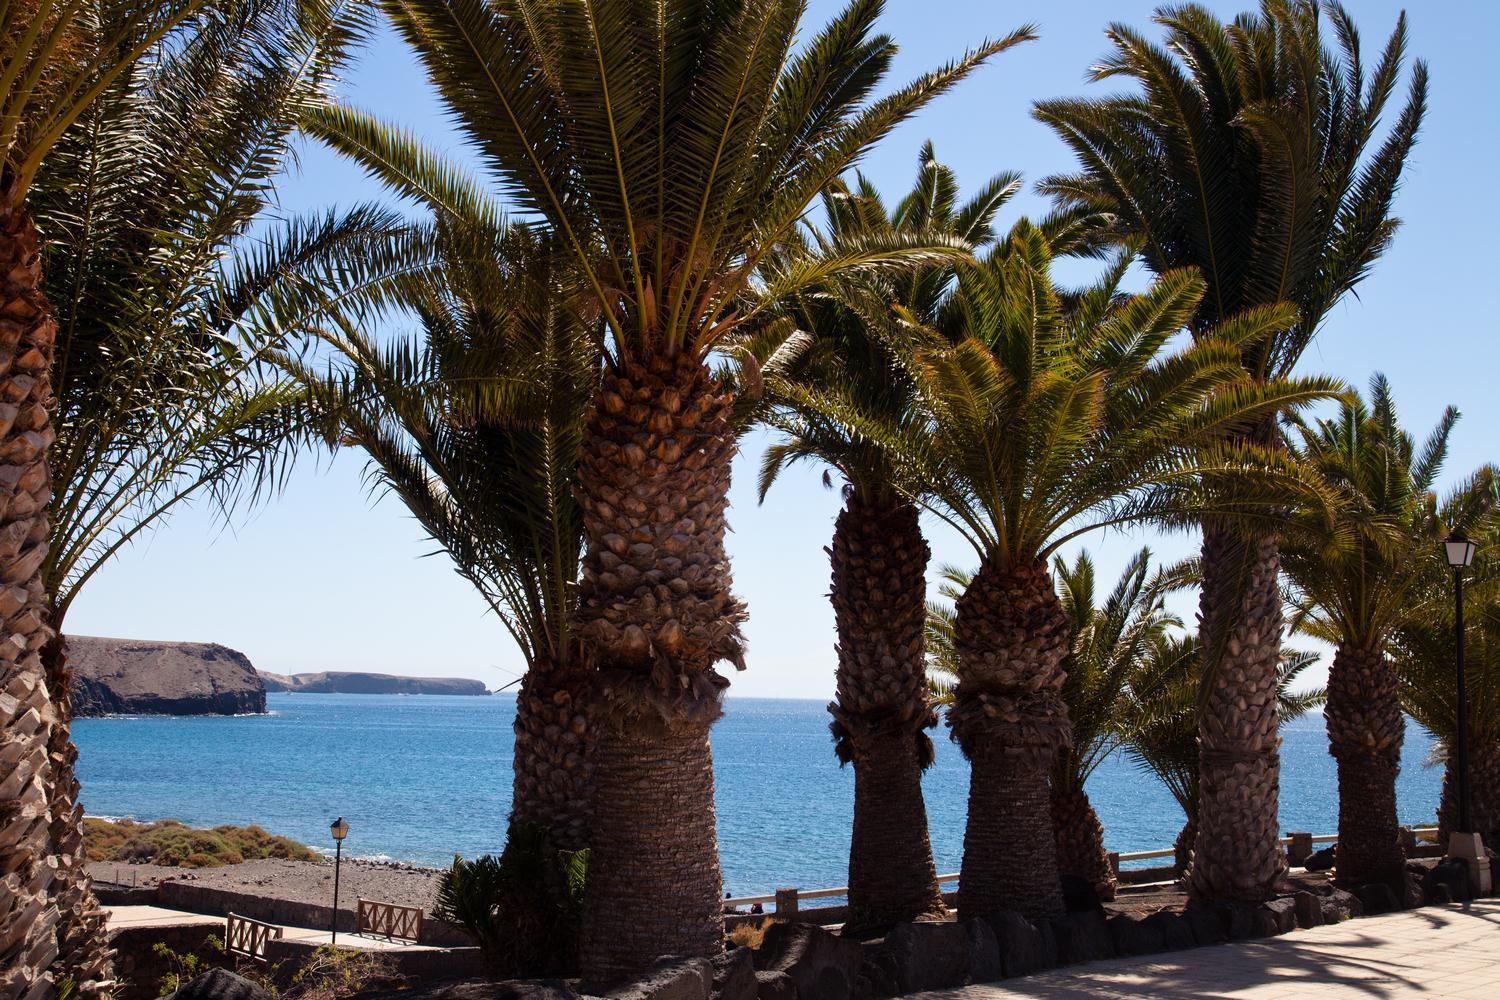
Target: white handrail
x,y
1165,852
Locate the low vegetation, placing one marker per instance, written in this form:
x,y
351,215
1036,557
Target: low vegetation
x,y
175,844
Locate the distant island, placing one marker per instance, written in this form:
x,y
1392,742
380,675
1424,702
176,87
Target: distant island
x,y
359,682
142,677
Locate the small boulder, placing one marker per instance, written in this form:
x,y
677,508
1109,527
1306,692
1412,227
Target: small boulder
x,y
1079,894
1082,937
1134,937
1281,914
482,989
1452,876
734,975
1205,924
1176,933
774,986
929,954
1341,905
671,978
1320,861
1024,947
220,984
984,953
1309,909
1377,898
822,966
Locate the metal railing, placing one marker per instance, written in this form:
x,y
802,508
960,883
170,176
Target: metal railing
x,y
786,900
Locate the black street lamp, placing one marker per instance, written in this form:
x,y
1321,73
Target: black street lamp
x,y
1460,552
340,830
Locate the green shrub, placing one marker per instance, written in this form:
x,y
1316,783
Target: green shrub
x,y
172,843
522,909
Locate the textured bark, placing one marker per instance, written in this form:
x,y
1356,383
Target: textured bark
x,y
1009,717
883,710
84,956
1365,730
655,613
1237,857
1080,840
1182,847
554,770
1484,795
28,913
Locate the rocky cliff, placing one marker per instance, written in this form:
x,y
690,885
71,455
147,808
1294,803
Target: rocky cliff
x,y
135,677
338,682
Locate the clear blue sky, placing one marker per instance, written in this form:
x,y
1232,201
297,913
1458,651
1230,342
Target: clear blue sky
x,y
325,577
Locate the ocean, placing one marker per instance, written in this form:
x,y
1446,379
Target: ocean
x,y
424,777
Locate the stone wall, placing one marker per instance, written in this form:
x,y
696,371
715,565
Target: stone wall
x,y
140,970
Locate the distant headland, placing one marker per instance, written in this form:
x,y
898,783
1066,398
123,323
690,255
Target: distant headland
x,y
359,682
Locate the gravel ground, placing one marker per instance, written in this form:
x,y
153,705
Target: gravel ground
x,y
300,881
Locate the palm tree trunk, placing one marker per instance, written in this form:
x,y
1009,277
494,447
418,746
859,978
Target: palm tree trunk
x,y
1080,839
1365,730
655,614
1237,856
883,710
1009,717
554,770
1182,847
28,913
1484,795
84,956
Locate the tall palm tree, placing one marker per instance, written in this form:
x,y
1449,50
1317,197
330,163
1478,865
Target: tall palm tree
x,y
1160,732
56,59
1355,599
161,302
1247,153
671,146
1108,646
879,554
1044,414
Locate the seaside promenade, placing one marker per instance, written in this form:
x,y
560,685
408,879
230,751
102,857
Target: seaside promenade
x,y
1435,951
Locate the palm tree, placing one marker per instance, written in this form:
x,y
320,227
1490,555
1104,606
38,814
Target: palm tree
x,y
58,60
161,302
1107,647
1247,154
879,554
1355,599
1160,732
671,146
1045,414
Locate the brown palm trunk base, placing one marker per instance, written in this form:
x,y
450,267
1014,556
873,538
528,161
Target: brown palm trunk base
x,y
1238,856
1080,840
28,912
892,876
84,956
1009,717
1182,847
879,594
1484,796
1365,731
654,860
656,612
554,770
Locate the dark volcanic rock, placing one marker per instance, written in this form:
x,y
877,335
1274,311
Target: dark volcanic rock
x,y
357,682
1079,894
1448,882
1082,937
1176,933
734,975
1377,898
1024,947
930,955
1135,937
482,989
1309,909
219,984
1320,861
820,965
135,677
669,979
1205,924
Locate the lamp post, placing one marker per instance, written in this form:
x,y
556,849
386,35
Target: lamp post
x,y
340,830
1460,552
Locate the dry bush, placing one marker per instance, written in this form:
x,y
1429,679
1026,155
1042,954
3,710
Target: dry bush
x,y
749,935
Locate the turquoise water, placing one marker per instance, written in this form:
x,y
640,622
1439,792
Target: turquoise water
x,y
419,778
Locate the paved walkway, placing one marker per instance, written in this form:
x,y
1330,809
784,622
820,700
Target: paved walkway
x,y
160,916
1447,951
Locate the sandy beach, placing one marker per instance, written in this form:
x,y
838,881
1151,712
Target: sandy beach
x,y
298,881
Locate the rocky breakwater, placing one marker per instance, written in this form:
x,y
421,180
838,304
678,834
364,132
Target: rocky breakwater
x,y
137,677
354,682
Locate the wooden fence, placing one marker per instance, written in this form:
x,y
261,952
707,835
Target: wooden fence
x,y
389,920
1299,847
247,938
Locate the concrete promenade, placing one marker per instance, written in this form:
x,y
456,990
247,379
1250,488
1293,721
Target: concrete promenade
x,y
158,916
1435,951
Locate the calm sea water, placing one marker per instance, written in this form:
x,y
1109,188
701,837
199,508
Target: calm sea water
x,y
420,778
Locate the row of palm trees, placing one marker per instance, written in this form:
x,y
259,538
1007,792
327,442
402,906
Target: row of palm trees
x,y
563,421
